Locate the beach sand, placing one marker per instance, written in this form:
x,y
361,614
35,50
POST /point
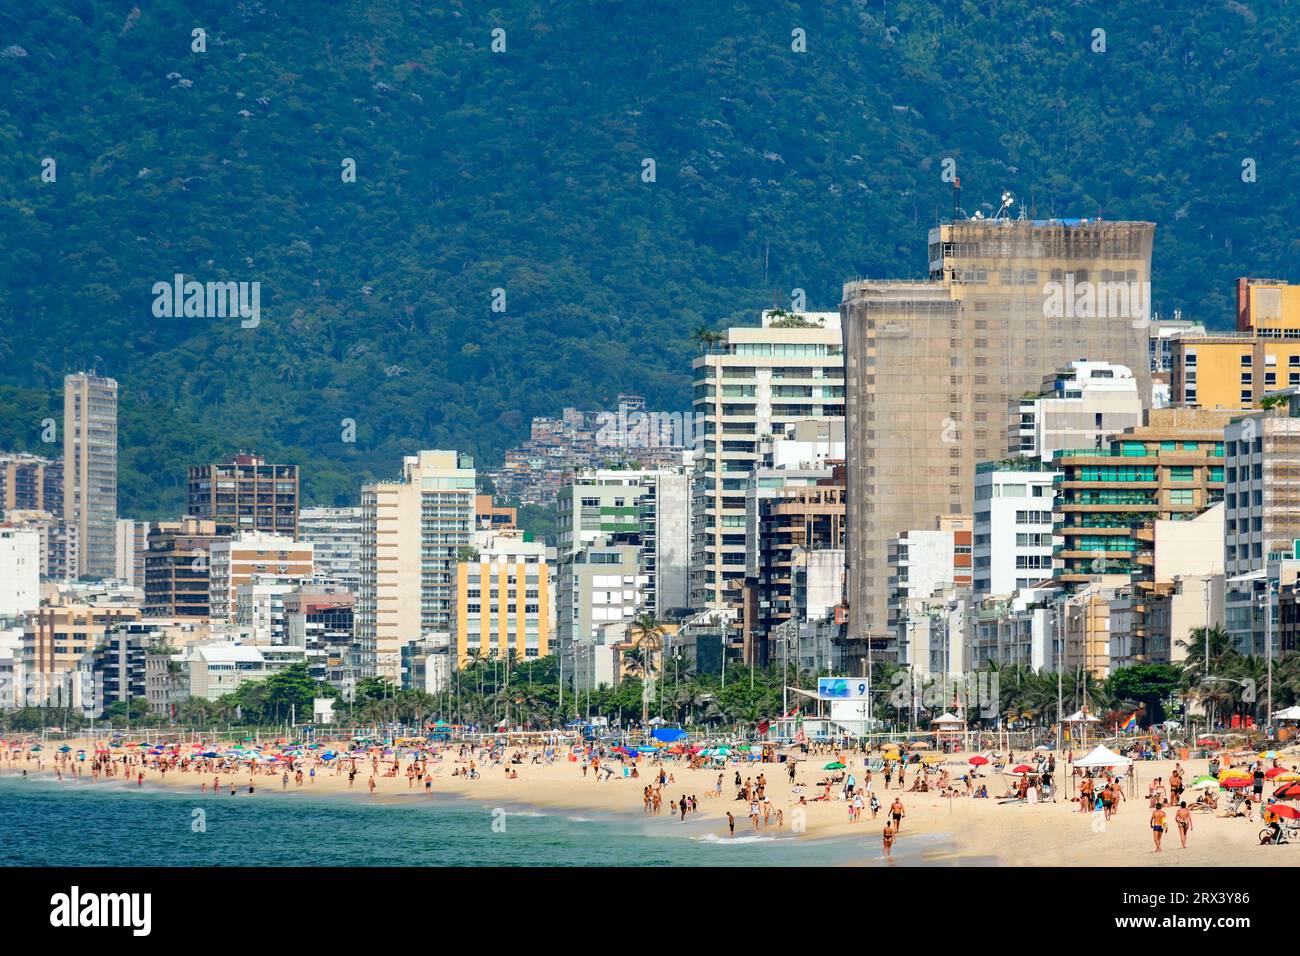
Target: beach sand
x,y
956,830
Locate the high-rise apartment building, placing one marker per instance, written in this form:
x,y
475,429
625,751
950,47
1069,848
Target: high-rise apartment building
x,y
30,483
505,600
791,514
236,561
90,469
927,567
649,508
1261,487
20,571
335,536
321,620
245,494
598,585
414,531
747,389
1170,468
176,568
60,555
1012,534
130,545
933,366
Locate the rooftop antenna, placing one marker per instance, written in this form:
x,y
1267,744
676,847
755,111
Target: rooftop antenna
x,y
956,198
1008,201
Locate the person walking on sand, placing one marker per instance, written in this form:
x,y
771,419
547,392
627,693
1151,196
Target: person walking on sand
x,y
896,812
1158,824
1184,820
887,839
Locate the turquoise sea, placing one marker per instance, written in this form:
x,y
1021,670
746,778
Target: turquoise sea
x,y
46,823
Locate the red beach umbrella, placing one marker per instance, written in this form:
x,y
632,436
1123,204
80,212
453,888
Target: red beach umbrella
x,y
1288,791
1272,772
1024,768
1235,783
978,761
1285,810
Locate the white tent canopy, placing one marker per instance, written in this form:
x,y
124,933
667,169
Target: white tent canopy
x,y
1103,757
1081,717
947,719
1290,713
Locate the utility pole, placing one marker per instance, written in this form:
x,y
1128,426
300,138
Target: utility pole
x,y
1268,643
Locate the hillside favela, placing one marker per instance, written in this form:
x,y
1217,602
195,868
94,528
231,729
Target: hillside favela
x,y
592,436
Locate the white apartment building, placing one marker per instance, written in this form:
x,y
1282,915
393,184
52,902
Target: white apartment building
x,y
921,576
236,561
218,669
335,535
260,608
598,585
131,542
649,507
748,388
1079,406
1011,545
414,531
20,571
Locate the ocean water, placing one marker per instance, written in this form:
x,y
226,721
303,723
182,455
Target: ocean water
x,y
46,823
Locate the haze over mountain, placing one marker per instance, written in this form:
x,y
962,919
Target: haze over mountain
x,y
522,170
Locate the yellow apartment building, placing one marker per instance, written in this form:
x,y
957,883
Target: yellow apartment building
x,y
1234,370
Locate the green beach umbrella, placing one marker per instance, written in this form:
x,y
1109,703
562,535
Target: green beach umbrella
x,y
834,765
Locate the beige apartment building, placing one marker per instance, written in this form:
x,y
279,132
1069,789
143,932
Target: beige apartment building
x,y
414,530
933,366
55,639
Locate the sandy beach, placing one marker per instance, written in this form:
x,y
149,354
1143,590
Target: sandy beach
x,y
960,829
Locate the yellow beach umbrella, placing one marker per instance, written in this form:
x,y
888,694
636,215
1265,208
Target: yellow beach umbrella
x,y
932,758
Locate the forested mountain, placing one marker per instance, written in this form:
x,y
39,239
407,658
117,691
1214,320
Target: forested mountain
x,y
522,170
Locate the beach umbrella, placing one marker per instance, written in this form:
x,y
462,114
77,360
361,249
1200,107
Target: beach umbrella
x,y
1023,768
1204,778
1268,755
978,761
36,749
1205,783
1289,777
834,765
1289,791
1272,772
1236,783
1285,810
64,749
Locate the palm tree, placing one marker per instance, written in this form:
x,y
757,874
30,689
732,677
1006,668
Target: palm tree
x,y
649,638
1196,672
705,337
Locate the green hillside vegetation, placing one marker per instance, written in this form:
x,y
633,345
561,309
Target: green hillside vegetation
x,y
522,170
